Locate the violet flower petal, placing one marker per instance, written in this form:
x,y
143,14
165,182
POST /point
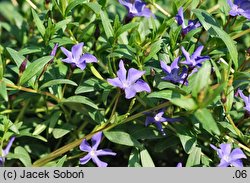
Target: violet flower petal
x,y
98,162
76,51
122,72
115,82
237,154
88,58
104,152
96,139
140,86
85,159
134,75
7,149
84,146
237,163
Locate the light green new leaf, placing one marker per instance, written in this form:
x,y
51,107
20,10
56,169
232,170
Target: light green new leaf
x,y
106,25
34,68
94,6
58,82
61,161
207,121
38,23
21,154
3,91
146,159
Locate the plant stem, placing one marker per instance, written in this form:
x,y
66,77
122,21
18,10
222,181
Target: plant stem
x,y
104,127
32,91
161,9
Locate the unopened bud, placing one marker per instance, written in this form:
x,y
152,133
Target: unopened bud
x,y
23,65
53,52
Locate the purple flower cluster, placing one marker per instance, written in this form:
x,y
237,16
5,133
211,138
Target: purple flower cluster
x,y
227,157
173,72
136,8
92,151
192,24
240,7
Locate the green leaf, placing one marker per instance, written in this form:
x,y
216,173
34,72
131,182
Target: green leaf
x,y
21,154
40,128
123,138
3,91
106,25
81,100
38,23
1,68
154,49
194,158
58,82
164,94
201,79
230,98
146,159
62,130
134,158
17,57
207,121
73,4
94,6
61,161
186,103
34,68
125,28
213,28
188,139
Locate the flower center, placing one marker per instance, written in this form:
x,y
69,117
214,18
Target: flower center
x,y
157,118
126,84
226,158
92,152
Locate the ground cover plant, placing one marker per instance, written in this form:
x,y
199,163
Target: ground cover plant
x,y
125,83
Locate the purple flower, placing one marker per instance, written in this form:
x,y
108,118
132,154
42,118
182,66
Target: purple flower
x,y
131,84
195,59
158,119
246,100
136,8
227,157
192,24
173,72
76,57
6,151
179,165
93,153
240,7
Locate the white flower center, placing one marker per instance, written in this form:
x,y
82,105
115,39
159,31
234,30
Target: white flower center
x,y
92,152
126,84
157,117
